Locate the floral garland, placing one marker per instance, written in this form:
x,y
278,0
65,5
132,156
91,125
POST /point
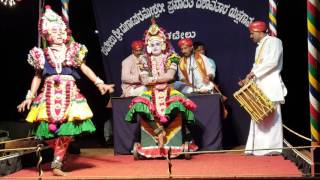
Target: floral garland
x,y
36,58
82,53
173,58
74,56
151,68
158,106
70,58
56,105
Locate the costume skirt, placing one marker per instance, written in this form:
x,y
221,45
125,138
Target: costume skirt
x,y
169,109
60,109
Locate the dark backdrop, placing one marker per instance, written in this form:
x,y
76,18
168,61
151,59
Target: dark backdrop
x,y
19,35
226,40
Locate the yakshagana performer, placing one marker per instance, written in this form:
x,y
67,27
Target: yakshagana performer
x,y
60,111
164,110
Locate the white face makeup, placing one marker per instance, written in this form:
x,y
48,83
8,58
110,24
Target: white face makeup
x,y
155,46
58,35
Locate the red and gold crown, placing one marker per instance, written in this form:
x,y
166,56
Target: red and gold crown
x,y
155,32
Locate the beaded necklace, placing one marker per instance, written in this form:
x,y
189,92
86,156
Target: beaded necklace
x,y
56,60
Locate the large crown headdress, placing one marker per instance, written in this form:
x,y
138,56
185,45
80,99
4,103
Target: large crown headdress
x,y
51,20
155,32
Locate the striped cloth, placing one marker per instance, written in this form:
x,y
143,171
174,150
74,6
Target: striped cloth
x,y
313,12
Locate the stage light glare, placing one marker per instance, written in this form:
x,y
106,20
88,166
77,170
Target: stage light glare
x,y
9,3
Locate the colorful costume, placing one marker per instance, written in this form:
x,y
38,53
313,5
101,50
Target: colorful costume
x,y
163,110
60,111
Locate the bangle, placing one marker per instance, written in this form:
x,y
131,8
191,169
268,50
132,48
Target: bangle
x,y
30,95
98,81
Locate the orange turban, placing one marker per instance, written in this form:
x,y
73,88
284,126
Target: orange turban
x,y
137,44
187,42
259,26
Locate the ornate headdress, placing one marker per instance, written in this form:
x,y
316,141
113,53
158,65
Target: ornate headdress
x,y
51,20
156,33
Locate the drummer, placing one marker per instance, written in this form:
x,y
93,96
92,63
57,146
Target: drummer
x,y
266,69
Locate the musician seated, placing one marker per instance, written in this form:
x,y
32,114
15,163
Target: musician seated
x,y
130,72
196,71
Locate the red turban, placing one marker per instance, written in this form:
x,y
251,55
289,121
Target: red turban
x,y
259,26
137,44
187,42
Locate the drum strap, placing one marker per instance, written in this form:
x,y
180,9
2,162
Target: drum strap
x,y
258,60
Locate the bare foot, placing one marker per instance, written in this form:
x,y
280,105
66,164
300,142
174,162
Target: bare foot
x,y
58,172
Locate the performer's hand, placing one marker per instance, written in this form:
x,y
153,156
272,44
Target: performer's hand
x,y
250,76
104,88
152,81
26,103
242,82
110,88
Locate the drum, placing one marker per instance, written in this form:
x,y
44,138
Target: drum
x,y
254,101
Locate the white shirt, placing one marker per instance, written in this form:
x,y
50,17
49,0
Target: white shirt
x,y
267,72
194,74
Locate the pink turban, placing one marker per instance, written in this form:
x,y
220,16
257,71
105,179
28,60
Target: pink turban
x,y
187,42
137,44
258,26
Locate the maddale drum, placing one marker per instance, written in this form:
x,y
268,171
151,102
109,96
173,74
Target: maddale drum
x,y
254,101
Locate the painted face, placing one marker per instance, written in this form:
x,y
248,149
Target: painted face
x,y
186,50
58,35
155,46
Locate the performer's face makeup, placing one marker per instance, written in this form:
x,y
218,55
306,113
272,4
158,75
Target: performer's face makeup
x,y
58,35
155,47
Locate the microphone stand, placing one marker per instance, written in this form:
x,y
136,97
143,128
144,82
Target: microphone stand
x,y
191,69
192,74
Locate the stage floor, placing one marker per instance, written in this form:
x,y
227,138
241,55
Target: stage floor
x,y
100,163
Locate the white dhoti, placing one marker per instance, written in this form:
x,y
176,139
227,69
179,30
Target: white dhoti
x,y
266,134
